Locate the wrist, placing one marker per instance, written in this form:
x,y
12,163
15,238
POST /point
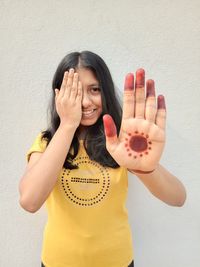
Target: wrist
x,y
143,172
67,127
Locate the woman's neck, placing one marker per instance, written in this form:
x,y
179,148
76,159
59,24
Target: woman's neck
x,y
81,132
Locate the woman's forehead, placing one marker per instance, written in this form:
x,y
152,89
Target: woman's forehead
x,y
87,77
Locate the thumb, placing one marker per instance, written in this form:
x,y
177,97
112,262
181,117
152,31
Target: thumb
x,y
110,131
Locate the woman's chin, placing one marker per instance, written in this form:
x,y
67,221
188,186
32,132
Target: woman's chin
x,y
88,122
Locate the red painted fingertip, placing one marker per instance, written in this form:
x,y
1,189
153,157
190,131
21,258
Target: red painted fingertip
x,y
140,70
150,85
109,126
161,102
129,82
140,78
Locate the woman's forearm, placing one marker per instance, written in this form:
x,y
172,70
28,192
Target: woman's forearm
x,y
164,185
39,180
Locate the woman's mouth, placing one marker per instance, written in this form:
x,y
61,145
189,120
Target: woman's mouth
x,y
88,113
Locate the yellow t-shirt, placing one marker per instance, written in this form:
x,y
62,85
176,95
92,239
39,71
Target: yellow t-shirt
x,y
87,222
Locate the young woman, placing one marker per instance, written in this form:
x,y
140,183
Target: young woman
x,y
79,165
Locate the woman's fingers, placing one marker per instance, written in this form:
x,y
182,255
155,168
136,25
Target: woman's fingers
x,y
110,132
128,101
161,112
79,91
150,106
74,87
63,85
71,87
140,94
69,83
138,105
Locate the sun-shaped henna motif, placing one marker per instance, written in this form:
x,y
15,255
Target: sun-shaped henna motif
x,y
137,144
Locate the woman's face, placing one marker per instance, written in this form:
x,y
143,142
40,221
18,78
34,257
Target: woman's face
x,y
91,101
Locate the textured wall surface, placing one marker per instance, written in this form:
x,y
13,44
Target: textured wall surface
x,y
161,36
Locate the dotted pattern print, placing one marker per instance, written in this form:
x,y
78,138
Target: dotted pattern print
x,y
85,187
138,144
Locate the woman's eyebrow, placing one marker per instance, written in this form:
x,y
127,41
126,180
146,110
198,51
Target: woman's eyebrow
x,y
93,84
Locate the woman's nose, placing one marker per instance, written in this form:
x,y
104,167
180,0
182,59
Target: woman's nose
x,y
86,101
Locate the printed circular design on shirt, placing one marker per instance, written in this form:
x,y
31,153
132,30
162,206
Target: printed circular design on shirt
x,y
88,185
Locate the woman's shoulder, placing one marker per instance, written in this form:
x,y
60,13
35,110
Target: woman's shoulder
x,y
39,145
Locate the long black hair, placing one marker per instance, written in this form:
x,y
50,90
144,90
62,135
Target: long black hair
x,y
94,142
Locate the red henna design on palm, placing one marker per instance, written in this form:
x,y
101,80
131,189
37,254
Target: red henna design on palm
x,y
137,145
141,139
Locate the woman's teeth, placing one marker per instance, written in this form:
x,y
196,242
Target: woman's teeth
x,y
88,112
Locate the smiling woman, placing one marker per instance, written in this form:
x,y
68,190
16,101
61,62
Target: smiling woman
x,y
98,98
79,165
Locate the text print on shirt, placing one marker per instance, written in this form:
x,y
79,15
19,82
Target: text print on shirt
x,y
88,187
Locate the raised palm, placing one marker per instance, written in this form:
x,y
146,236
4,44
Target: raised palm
x,y
141,139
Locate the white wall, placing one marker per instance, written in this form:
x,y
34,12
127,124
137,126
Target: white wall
x,y
161,36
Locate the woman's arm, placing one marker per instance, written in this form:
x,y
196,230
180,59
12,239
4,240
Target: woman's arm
x,y
43,169
141,140
164,185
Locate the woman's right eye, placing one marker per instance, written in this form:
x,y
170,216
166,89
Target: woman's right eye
x,y
95,89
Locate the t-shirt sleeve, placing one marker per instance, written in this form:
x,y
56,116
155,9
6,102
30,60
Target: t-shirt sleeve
x,y
39,145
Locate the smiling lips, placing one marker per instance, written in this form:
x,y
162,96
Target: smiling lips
x,y
88,113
